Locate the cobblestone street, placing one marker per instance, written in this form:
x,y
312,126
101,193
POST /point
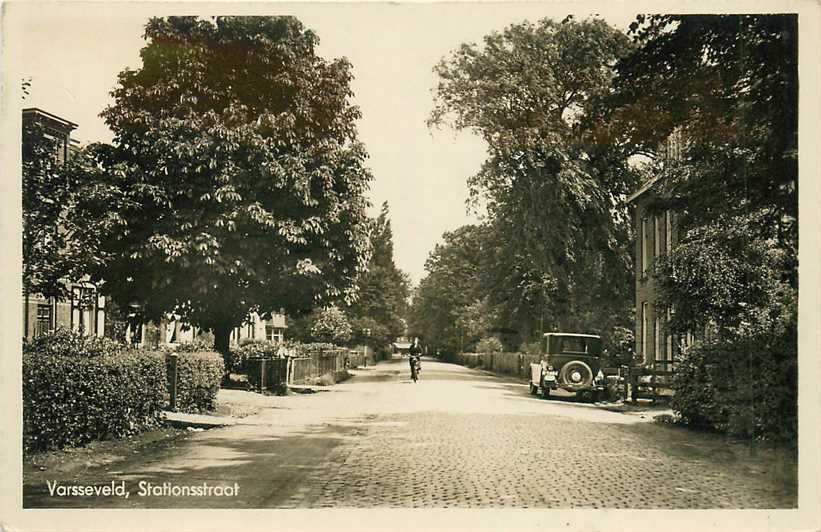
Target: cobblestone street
x,y
458,438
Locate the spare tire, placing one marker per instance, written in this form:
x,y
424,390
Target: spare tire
x,y
576,375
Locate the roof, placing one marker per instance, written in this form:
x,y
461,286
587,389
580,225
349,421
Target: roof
x,y
62,121
644,188
573,334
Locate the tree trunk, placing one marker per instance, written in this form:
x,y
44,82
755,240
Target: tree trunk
x,y
222,337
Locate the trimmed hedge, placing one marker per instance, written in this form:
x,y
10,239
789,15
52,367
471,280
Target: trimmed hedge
x,y
198,380
101,392
746,388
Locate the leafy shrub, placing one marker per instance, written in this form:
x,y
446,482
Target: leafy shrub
x,y
101,392
618,347
255,349
197,346
305,349
531,348
65,342
489,345
331,325
198,380
744,387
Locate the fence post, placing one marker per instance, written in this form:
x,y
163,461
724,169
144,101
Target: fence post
x,y
289,371
172,379
262,369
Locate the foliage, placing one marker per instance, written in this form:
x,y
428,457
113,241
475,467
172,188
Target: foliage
x,y
249,350
617,347
198,380
741,378
475,320
377,315
198,345
63,342
235,181
306,349
51,251
555,196
98,393
489,344
451,284
746,387
532,348
725,276
330,325
729,85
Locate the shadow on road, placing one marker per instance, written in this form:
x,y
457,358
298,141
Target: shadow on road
x,y
271,471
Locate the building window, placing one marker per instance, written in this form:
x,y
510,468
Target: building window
x,y
44,319
656,236
645,319
274,334
657,355
675,146
645,247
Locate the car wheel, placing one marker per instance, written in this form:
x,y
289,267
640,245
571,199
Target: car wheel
x,y
576,375
533,389
545,392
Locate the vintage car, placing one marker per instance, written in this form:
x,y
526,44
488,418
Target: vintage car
x,y
571,362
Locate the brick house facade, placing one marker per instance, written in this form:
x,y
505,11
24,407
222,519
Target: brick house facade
x,y
656,235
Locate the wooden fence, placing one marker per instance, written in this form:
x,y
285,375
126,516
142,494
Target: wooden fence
x,y
276,374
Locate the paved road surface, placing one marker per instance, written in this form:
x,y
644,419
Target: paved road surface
x,y
458,438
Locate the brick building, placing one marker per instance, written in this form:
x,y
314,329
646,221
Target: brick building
x,y
85,308
656,235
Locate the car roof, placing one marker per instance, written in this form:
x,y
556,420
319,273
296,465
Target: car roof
x,y
573,334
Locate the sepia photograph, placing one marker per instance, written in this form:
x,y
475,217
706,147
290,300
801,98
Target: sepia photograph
x,y
494,258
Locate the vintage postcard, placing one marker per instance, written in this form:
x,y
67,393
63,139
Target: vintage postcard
x,y
410,265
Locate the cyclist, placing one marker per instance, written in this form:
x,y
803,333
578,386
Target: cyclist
x,y
414,358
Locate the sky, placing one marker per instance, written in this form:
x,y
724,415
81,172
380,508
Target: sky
x,y
73,53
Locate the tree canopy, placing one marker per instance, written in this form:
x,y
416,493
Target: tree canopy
x,y
729,85
378,315
52,252
554,194
235,181
452,284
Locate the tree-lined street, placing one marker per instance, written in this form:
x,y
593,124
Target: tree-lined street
x,y
231,215
459,438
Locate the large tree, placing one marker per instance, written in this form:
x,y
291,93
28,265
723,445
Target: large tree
x,y
235,181
728,84
554,192
379,311
440,305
